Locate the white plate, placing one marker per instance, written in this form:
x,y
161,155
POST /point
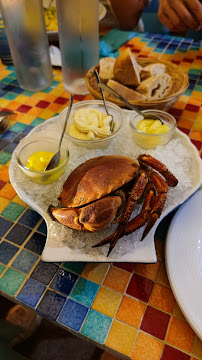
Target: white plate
x,y
184,260
63,244
53,35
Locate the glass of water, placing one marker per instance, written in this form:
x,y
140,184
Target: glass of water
x,y
28,41
78,24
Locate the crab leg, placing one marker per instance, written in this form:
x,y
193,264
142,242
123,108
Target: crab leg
x,y
140,219
135,194
147,160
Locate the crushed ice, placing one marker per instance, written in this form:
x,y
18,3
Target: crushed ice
x,y
175,155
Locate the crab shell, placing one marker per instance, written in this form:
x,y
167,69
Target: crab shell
x,y
91,181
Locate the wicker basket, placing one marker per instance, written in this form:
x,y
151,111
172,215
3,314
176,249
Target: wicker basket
x,y
180,83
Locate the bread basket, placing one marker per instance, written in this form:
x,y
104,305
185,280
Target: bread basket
x,y
180,82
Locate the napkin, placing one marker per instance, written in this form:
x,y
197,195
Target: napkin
x,y
108,45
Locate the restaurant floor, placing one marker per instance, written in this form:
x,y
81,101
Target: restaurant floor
x,y
51,342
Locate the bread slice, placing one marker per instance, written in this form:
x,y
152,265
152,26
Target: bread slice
x,y
152,70
155,87
106,68
126,69
127,93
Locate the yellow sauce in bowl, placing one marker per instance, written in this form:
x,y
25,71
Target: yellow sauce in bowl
x,y
39,160
150,126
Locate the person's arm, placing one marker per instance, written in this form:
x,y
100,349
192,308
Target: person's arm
x,y
127,12
180,15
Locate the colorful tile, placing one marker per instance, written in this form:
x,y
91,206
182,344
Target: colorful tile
x,y
95,272
117,279
140,287
162,298
44,272
131,311
36,243
31,292
51,305
18,234
85,291
180,334
76,267
146,348
155,322
170,353
11,281
7,251
13,211
64,281
121,337
107,301
73,315
96,326
25,261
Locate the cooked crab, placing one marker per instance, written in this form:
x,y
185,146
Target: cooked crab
x,y
107,188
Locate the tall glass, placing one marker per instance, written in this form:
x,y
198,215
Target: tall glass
x,y
28,41
78,23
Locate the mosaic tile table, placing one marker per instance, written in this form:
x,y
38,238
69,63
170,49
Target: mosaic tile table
x,y
124,308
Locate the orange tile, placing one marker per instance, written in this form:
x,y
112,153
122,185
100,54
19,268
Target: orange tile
x,y
180,334
147,270
162,277
30,101
197,348
3,203
54,107
35,112
4,175
194,102
189,115
196,135
131,311
95,272
162,298
17,200
121,337
13,105
50,98
27,119
187,124
196,94
47,114
7,191
179,105
147,348
177,312
117,279
106,301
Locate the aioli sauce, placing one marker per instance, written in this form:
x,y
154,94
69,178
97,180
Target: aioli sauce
x,y
152,126
39,160
90,124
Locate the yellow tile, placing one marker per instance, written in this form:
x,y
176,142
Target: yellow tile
x,y
197,125
38,95
147,348
195,94
4,73
121,337
47,114
107,301
57,92
197,348
199,117
3,203
4,102
184,98
21,99
26,119
95,272
17,200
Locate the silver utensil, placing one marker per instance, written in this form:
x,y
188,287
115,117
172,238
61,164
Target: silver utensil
x,y
130,106
56,158
4,121
111,124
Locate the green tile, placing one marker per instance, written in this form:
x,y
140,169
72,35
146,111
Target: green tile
x,y
188,92
96,326
74,266
11,281
2,267
4,158
12,211
10,96
198,88
18,127
6,80
194,71
37,122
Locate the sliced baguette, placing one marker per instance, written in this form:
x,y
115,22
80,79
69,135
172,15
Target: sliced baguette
x,y
155,87
106,68
152,70
127,93
126,69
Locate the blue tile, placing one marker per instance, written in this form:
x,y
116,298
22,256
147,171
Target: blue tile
x,y
24,261
3,144
44,272
7,251
42,228
36,243
19,138
51,305
73,315
85,291
18,234
10,148
64,281
4,226
31,292
27,129
96,326
29,218
9,135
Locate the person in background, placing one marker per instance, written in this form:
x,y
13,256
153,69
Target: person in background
x,y
177,16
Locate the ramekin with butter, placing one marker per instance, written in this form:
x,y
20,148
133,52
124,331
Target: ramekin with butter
x,y
89,125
